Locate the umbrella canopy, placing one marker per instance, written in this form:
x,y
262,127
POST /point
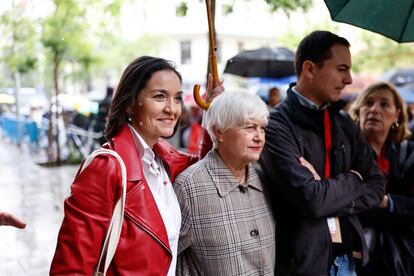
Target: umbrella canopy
x,y
263,62
407,93
391,18
399,76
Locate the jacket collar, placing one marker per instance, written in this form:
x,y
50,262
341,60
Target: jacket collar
x,y
307,102
293,97
124,144
223,177
306,115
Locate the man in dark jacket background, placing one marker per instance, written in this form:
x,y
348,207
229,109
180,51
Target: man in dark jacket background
x,y
320,166
103,111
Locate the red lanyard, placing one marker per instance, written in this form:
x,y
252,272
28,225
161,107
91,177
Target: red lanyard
x,y
328,142
383,163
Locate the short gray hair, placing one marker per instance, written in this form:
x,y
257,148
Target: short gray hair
x,y
233,110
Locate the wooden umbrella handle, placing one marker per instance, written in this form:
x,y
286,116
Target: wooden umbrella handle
x,y
197,98
213,60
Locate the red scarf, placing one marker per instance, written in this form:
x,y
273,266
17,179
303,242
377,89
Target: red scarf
x,y
383,163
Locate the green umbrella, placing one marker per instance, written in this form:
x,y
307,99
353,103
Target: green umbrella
x,y
391,18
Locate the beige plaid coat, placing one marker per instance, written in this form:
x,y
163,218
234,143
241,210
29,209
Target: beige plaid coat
x,y
226,229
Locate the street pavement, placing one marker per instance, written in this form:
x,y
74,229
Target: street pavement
x,y
35,194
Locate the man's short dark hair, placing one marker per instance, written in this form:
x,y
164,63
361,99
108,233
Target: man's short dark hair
x,y
316,47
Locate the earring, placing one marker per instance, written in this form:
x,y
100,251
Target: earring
x,y
141,123
139,104
129,118
395,125
220,140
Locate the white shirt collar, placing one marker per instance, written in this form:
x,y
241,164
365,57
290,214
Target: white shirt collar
x,y
145,152
143,149
307,102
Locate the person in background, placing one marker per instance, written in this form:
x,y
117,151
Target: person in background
x,y
195,129
8,219
102,115
227,224
381,114
274,97
319,166
145,109
410,113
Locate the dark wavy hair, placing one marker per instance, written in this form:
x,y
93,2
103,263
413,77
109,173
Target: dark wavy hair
x,y
316,47
133,80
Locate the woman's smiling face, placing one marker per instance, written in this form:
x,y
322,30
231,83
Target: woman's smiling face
x,y
158,107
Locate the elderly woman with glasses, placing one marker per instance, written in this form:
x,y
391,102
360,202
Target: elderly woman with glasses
x,y
381,114
227,224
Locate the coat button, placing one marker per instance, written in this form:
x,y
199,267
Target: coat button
x,y
254,233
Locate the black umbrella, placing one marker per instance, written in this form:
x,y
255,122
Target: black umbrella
x,y
407,93
399,76
263,62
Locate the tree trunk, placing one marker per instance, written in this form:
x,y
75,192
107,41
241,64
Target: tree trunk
x,y
54,118
56,83
50,151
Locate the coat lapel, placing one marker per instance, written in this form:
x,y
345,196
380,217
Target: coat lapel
x,y
140,204
223,177
174,160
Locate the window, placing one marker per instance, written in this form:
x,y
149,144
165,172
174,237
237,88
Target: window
x,y
185,52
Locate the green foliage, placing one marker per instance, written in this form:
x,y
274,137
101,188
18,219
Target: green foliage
x,y
380,54
289,5
85,35
19,45
228,8
63,28
291,38
181,9
123,52
75,32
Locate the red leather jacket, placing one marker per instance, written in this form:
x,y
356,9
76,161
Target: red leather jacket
x,y
143,248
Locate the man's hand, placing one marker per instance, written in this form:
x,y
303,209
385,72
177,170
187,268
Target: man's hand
x,y
308,165
384,203
9,219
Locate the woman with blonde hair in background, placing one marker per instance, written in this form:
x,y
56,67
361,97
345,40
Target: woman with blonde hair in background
x,y
381,114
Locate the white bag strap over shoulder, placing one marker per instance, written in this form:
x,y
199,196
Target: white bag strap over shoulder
x,y
115,226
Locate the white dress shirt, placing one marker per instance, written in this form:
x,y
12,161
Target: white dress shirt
x,y
163,193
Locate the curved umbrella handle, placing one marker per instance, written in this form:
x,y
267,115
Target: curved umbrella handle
x,y
196,90
199,101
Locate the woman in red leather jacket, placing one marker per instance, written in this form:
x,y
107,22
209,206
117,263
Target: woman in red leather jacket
x,y
147,106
